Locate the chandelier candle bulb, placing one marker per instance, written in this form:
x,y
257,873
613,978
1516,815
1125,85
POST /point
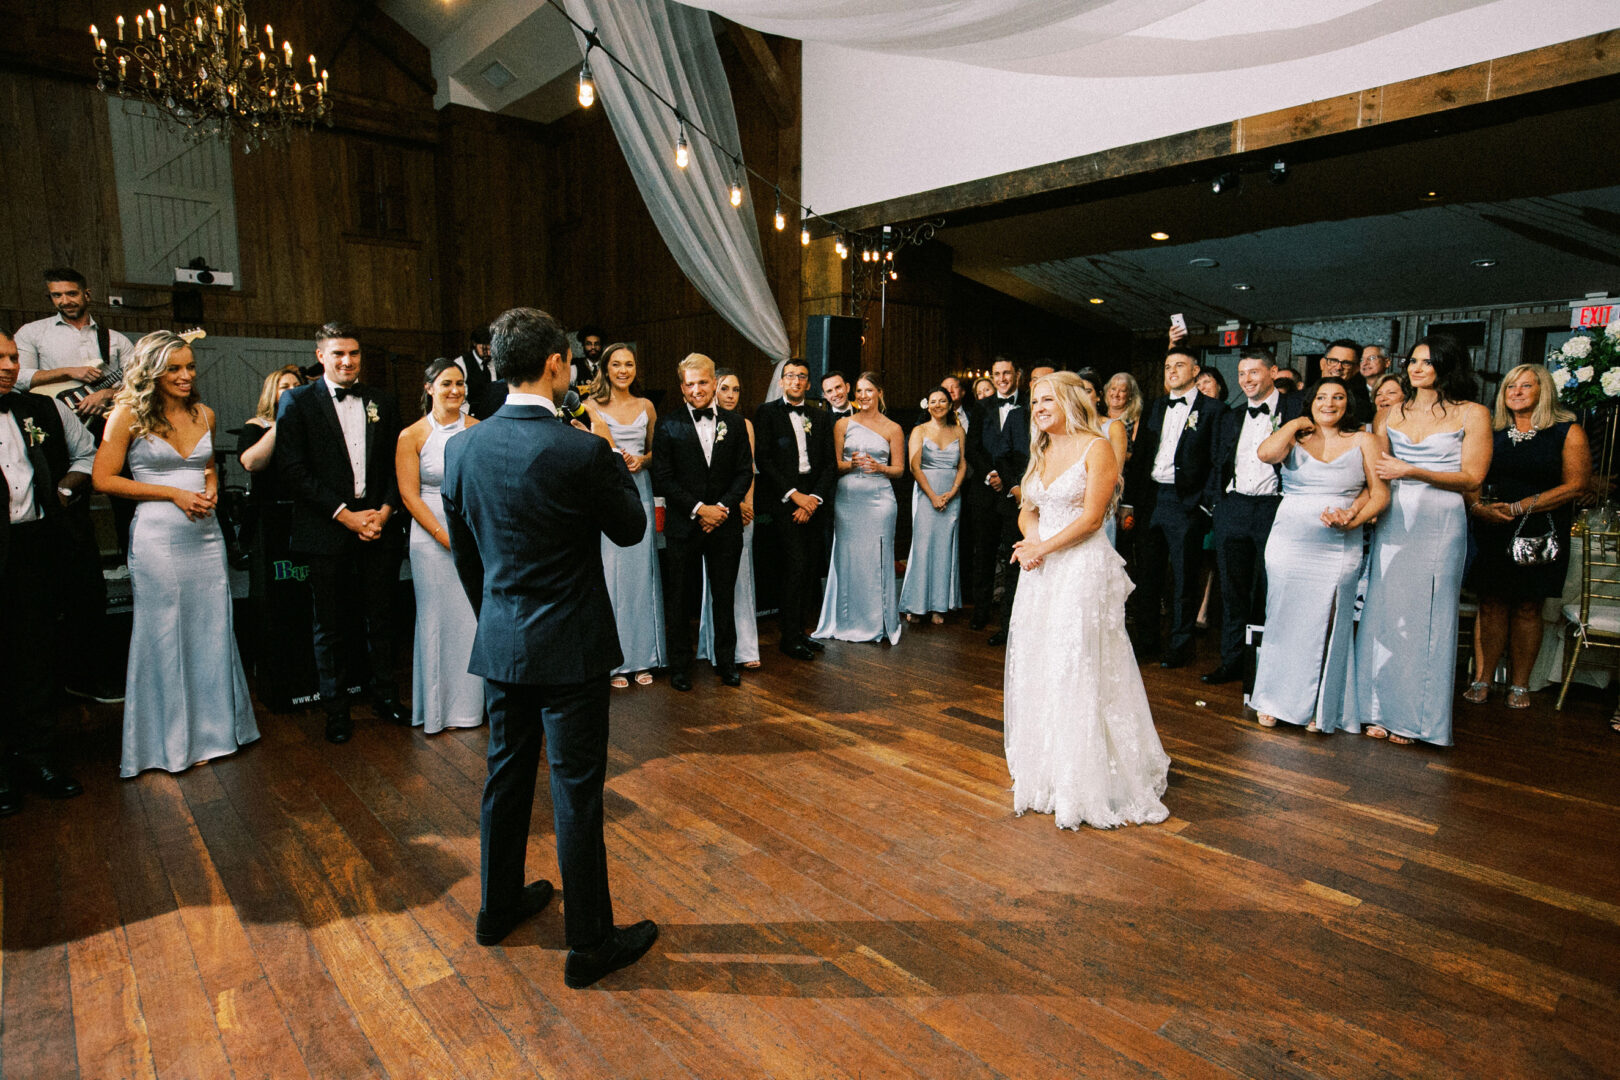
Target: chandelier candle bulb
x,y
286,49
120,28
219,17
163,17
312,73
270,35
140,28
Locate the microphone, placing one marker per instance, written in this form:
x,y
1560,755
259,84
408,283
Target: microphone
x,y
572,408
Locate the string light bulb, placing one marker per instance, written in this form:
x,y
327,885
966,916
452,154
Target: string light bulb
x,y
781,222
587,83
736,184
842,248
894,275
683,150
804,236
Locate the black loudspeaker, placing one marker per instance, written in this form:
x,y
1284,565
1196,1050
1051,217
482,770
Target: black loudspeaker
x,y
832,343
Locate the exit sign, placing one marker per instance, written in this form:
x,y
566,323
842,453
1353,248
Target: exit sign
x,y
1233,339
1592,312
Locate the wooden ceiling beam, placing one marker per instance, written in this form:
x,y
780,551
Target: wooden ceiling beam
x,y
769,78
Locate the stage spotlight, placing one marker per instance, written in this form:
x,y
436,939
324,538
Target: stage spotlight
x,y
1227,181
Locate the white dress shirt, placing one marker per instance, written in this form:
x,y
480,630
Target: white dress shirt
x,y
47,344
19,470
1175,422
1251,476
351,414
705,432
1008,404
532,399
800,423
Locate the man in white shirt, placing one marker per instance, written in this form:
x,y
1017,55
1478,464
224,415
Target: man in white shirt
x,y
1245,493
70,346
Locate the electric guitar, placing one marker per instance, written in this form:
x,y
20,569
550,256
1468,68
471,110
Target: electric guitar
x,y
71,391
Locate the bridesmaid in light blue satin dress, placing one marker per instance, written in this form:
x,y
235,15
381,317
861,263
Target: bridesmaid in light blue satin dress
x,y
862,601
443,693
186,699
933,582
1406,649
1305,673
633,582
728,395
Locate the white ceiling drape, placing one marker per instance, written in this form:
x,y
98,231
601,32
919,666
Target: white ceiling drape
x,y
1097,38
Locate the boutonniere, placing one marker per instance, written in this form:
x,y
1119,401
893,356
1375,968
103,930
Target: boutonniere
x,y
33,432
720,432
371,412
1276,420
1192,420
804,421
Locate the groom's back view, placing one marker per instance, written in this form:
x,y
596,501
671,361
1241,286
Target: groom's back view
x,y
527,500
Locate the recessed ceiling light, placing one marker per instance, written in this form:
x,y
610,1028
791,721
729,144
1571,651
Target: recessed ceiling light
x,y
1429,196
1096,299
1484,264
498,75
1241,286
1160,235
1203,262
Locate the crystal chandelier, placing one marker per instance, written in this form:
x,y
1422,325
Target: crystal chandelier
x,y
200,65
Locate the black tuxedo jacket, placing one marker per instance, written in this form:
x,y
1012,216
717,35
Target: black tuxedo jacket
x,y
1289,407
49,458
999,446
527,501
1195,453
777,455
312,463
479,401
684,479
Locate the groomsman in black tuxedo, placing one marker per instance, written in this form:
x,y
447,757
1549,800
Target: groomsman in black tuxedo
x,y
479,370
45,460
702,468
335,451
527,502
1245,493
998,454
797,476
1343,358
835,392
1178,438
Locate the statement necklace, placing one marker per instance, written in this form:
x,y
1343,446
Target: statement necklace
x,y
1515,436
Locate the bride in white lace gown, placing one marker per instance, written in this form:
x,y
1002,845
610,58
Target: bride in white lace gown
x,y
1079,735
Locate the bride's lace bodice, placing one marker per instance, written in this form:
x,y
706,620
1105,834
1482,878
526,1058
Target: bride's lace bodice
x,y
1061,503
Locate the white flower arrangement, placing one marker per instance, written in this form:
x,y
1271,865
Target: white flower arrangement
x,y
1612,330
33,432
1584,374
372,415
1578,347
1581,368
1611,382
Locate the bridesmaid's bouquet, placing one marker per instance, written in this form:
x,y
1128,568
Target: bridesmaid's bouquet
x,y
1586,368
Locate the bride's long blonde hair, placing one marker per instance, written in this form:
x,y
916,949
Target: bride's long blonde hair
x,y
1079,417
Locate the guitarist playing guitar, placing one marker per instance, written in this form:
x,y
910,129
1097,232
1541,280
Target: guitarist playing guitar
x,y
70,355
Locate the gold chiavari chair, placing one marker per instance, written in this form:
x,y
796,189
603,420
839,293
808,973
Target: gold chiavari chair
x,y
1595,619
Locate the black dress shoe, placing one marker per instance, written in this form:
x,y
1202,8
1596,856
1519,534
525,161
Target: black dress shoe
x,y
798,650
681,681
1224,674
390,711
1178,658
811,643
622,948
43,779
11,799
979,622
998,638
493,926
339,727
731,676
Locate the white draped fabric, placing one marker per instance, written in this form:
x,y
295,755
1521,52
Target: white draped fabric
x,y
1096,38
715,244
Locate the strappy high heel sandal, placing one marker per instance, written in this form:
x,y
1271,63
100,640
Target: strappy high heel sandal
x,y
1477,692
1518,697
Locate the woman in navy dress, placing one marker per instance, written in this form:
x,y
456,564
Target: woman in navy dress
x,y
619,410
186,698
862,602
1330,489
443,694
933,583
728,395
1437,449
1540,463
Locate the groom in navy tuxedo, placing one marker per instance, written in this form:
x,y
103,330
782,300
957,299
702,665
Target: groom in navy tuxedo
x,y
702,468
527,500
335,442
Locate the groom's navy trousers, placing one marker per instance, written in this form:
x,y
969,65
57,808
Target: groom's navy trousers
x,y
570,722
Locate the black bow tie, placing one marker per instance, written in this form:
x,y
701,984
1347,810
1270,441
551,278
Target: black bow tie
x,y
1187,401
702,414
843,412
797,410
1260,410
341,392
6,401
1007,400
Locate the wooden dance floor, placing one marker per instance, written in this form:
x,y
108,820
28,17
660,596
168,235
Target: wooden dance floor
x,y
843,892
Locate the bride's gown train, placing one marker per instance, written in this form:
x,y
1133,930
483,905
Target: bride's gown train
x,y
1079,735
